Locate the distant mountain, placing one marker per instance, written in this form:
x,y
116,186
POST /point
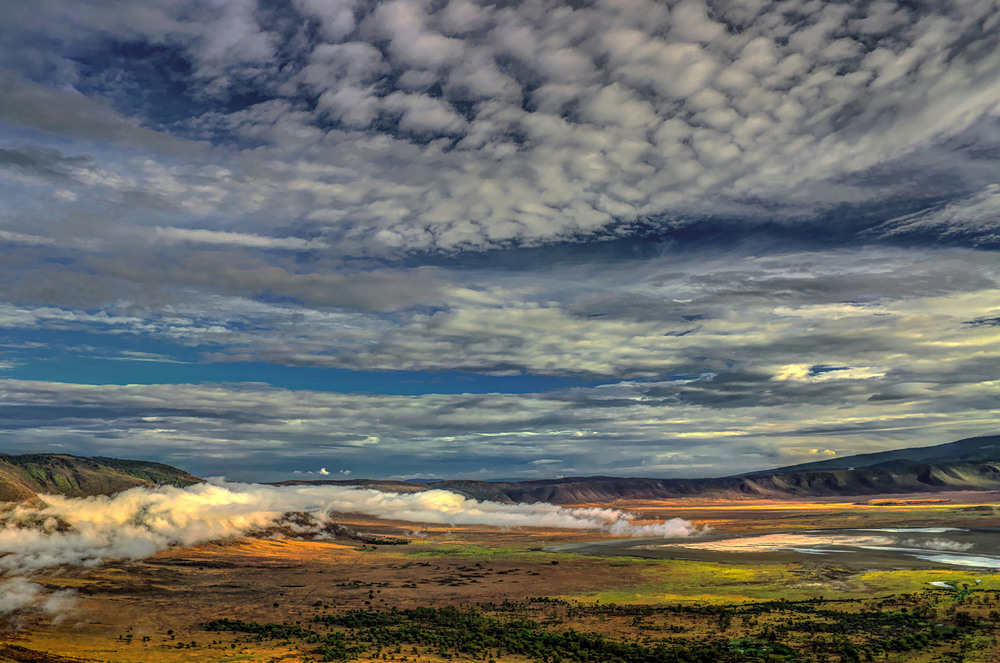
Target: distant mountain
x,y
970,464
901,478
23,477
971,449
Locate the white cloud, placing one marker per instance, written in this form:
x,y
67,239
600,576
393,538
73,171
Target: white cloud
x,y
422,114
21,238
411,41
336,17
976,216
354,107
201,236
20,594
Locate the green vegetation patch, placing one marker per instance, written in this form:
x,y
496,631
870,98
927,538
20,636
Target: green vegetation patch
x,y
682,580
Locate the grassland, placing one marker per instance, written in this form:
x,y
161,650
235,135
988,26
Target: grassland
x,y
157,609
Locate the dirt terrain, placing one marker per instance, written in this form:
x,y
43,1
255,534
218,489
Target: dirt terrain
x,y
154,609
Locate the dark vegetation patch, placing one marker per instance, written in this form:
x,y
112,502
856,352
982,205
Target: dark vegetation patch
x,y
942,623
17,654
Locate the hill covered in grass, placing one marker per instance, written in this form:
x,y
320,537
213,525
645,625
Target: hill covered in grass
x,y
22,477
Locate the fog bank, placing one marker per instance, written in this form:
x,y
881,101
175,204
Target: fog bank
x,y
139,522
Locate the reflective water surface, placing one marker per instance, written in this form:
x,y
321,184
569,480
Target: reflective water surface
x,y
887,548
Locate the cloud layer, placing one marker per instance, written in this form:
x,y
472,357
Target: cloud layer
x,y
700,364
694,231
406,125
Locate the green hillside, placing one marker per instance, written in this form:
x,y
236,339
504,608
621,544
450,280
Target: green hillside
x,y
24,476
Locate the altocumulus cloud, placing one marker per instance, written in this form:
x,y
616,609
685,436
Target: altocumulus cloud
x,y
409,125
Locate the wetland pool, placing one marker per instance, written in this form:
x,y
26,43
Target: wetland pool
x,y
873,549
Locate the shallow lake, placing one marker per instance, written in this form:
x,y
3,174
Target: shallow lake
x,y
889,548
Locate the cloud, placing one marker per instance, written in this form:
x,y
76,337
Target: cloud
x,y
840,310
21,238
976,217
20,594
67,112
683,202
715,423
336,19
404,126
140,522
200,236
322,472
745,361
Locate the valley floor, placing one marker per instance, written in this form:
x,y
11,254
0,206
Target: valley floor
x,y
287,600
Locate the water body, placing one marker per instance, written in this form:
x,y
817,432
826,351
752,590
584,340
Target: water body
x,y
887,548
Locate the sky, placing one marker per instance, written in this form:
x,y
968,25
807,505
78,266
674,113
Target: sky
x,y
278,239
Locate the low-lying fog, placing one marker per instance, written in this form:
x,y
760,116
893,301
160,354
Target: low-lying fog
x,y
140,522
